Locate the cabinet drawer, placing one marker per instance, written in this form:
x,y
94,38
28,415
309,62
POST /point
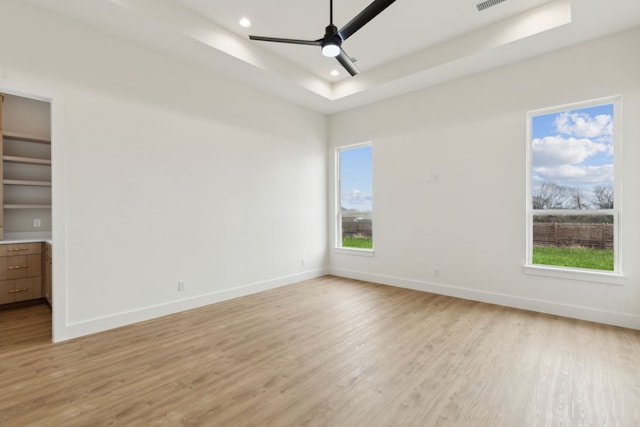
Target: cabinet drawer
x,y
20,290
20,249
15,267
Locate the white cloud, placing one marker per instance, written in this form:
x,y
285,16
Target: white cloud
x,y
356,198
558,150
578,154
571,175
584,125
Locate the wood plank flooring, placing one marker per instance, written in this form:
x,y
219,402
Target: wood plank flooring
x,y
325,352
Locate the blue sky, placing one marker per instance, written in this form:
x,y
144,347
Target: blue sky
x,y
574,147
356,175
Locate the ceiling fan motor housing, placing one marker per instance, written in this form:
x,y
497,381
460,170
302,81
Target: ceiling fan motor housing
x,y
331,35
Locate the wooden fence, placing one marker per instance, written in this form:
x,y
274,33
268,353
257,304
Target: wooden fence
x,y
356,227
596,236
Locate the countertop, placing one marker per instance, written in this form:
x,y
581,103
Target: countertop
x,y
27,237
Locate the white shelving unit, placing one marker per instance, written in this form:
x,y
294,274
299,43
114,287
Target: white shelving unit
x,y
25,182
26,165
26,160
25,137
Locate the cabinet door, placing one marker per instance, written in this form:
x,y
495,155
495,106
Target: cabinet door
x,y
20,290
15,267
20,249
29,288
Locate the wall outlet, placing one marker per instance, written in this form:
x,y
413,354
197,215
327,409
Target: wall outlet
x,y
303,262
182,285
436,272
37,223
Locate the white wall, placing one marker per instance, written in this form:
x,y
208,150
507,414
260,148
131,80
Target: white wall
x,y
163,172
471,223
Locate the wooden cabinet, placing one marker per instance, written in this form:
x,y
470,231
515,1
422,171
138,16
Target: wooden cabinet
x,y
12,249
20,289
20,272
47,278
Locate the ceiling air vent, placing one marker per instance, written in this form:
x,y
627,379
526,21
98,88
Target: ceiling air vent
x,y
487,4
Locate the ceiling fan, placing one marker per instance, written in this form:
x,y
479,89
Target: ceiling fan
x,y
331,43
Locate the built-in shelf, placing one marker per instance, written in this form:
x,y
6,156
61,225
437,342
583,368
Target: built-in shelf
x,y
25,206
26,160
25,165
28,183
25,137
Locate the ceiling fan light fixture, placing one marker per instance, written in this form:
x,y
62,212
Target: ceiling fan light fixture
x,y
330,49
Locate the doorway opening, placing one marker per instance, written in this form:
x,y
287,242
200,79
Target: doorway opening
x,y
26,244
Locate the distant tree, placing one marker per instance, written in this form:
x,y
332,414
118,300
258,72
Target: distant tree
x,y
550,195
577,199
603,197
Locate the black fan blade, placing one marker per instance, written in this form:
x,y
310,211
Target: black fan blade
x,y
290,41
347,63
363,17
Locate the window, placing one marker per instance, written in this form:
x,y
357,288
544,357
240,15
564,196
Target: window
x,y
573,190
354,197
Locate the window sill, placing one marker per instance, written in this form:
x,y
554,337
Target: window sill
x,y
354,251
576,274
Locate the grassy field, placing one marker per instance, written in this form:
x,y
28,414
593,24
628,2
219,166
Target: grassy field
x,y
596,259
357,242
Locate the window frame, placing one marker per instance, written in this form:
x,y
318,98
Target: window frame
x,y
600,276
338,202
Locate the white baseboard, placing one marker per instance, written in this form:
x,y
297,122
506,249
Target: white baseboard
x,y
576,312
549,307
121,319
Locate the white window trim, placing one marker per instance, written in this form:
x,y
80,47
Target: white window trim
x,y
600,276
580,274
338,248
354,251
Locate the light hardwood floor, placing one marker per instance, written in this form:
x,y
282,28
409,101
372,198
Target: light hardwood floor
x,y
326,352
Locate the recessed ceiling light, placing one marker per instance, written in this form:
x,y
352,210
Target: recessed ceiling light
x,y
245,22
335,73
